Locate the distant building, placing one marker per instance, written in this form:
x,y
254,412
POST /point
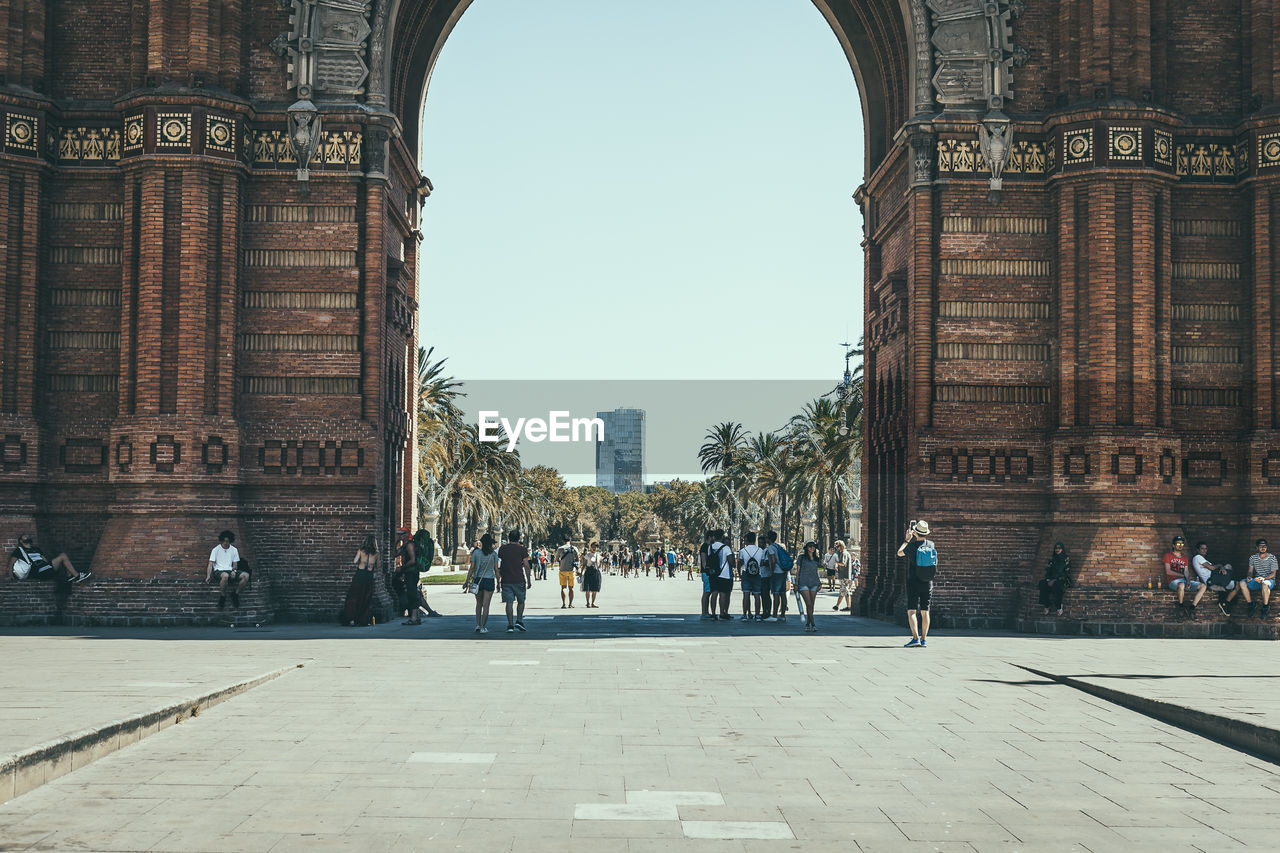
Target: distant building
x,y
620,457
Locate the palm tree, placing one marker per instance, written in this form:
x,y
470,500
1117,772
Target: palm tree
x,y
723,450
724,445
824,449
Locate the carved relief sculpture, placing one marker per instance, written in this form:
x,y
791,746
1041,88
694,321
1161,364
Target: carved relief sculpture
x,y
304,136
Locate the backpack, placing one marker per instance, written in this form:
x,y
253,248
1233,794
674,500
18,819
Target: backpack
x,y
753,566
713,554
926,561
572,553
421,552
784,559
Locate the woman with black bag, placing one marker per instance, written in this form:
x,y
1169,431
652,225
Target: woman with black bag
x,y
359,602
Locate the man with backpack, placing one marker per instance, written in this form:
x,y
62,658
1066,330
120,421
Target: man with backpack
x,y
704,566
720,567
779,564
922,567
751,558
416,557
567,557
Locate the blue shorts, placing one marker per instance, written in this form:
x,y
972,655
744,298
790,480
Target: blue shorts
x,y
1177,582
487,584
1255,585
778,583
808,589
706,582
751,584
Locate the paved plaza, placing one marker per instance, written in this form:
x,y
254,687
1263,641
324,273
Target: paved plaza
x,y
636,727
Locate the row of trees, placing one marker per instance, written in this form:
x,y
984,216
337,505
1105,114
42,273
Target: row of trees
x,y
765,480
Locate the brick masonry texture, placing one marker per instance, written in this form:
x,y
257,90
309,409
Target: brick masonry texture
x,y
190,342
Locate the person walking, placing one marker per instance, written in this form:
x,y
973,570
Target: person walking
x,y
1057,577
515,575
842,575
567,558
359,603
829,567
591,575
920,574
808,582
482,580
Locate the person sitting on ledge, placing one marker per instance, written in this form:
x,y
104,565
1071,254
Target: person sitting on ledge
x,y
1261,578
1057,577
27,562
225,560
1216,578
1178,574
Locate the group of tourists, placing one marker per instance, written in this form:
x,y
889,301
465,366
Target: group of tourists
x,y
1199,575
766,572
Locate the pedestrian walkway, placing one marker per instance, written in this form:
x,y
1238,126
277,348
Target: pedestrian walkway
x,y
637,728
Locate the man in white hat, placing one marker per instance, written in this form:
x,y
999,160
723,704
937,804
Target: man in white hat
x,y
919,588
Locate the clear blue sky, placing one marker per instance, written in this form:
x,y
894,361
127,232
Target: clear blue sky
x,y
611,173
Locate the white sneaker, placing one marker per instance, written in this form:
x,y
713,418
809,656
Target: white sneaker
x,y
484,630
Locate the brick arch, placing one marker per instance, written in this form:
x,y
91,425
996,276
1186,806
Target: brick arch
x,y
877,37
1071,279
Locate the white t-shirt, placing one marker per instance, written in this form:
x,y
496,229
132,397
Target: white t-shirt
x,y
724,552
747,553
1198,563
224,559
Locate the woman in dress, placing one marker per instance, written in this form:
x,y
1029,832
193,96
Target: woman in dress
x,y
805,575
591,575
482,579
359,602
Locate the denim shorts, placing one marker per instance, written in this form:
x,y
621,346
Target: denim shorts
x,y
1177,582
808,588
751,584
512,592
486,584
778,581
1255,585
706,582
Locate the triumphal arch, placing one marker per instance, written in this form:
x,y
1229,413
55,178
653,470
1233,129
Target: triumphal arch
x,y
210,221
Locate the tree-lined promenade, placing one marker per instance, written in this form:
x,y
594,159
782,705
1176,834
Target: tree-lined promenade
x,y
804,471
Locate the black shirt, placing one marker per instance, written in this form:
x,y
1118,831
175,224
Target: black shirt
x,y
911,553
32,556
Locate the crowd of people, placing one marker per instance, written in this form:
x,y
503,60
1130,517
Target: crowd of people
x,y
759,567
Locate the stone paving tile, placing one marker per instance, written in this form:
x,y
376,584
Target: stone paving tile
x,y
105,841
193,841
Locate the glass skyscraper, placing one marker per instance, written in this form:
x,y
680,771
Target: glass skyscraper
x,y
620,457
